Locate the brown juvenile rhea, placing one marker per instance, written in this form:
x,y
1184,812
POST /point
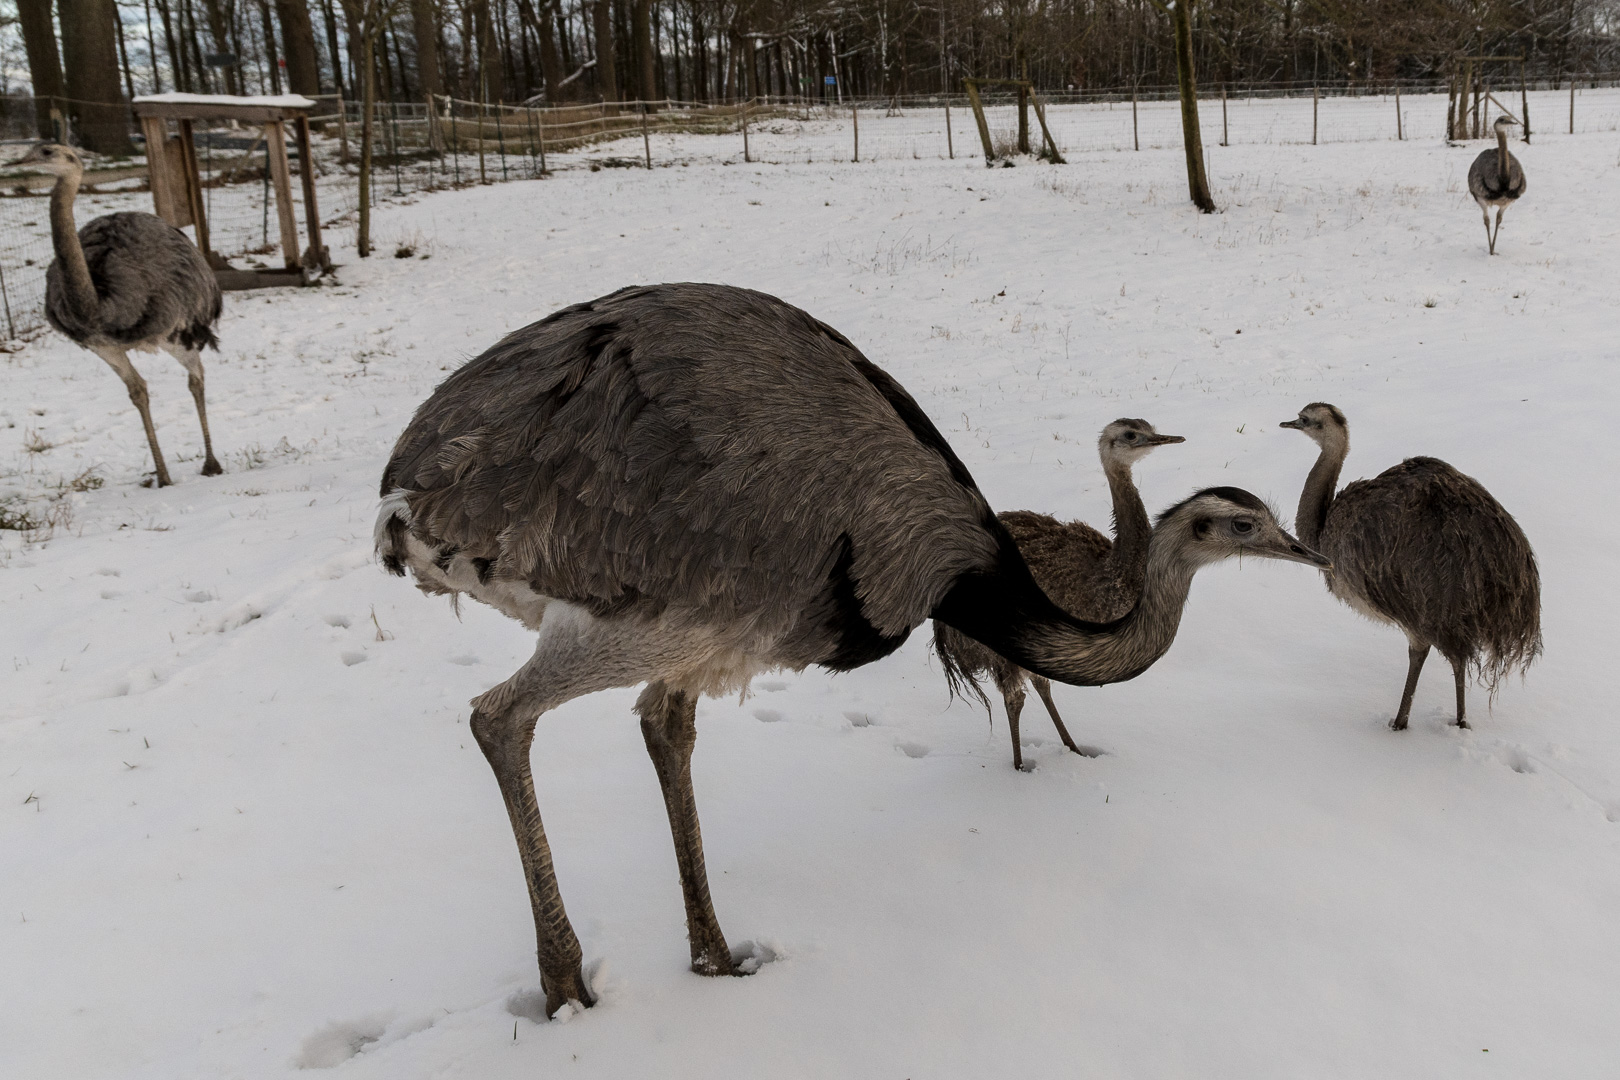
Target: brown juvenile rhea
x,y
687,485
1427,549
1078,567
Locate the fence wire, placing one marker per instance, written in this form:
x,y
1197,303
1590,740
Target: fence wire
x,y
451,143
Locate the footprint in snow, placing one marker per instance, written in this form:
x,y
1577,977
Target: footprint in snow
x,y
351,657
859,719
342,621
199,596
464,661
338,1042
912,749
772,685
768,716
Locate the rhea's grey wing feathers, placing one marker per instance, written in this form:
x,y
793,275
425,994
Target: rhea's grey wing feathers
x,y
695,446
152,283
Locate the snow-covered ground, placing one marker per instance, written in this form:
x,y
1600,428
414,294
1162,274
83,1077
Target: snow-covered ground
x,y
245,829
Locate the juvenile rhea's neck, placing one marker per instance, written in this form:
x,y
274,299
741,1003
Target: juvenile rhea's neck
x,y
1502,155
1132,529
1008,612
80,290
1320,486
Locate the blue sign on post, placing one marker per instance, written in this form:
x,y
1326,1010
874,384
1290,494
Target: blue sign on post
x,y
830,81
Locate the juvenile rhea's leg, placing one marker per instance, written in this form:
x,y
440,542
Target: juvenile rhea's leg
x,y
669,725
191,359
1490,241
1415,657
1498,230
1012,697
118,360
1043,687
1459,671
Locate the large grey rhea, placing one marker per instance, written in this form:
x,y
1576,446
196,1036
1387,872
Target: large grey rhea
x,y
125,282
685,485
1427,549
1496,180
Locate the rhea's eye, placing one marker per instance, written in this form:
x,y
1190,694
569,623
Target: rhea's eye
x,y
1242,527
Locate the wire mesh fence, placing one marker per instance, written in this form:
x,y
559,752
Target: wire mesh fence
x,y
449,143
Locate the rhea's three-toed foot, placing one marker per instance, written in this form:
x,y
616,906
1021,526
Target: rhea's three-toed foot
x,y
212,467
565,989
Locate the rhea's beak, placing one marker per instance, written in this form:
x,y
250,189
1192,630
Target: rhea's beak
x,y
1295,424
1292,550
1165,440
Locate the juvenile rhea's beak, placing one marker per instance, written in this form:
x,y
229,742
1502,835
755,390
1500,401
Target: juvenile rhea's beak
x,y
1291,423
1164,440
1291,550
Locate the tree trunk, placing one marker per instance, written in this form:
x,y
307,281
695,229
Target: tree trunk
x,y
219,31
607,75
298,45
545,31
641,27
424,20
1197,182
491,86
336,56
270,46
368,98
90,59
44,66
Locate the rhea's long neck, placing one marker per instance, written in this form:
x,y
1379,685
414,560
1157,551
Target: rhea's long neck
x,y
1132,529
1005,610
1501,160
79,289
1317,495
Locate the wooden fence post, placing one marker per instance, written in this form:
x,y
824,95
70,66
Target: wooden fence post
x,y
1398,134
1572,104
855,118
950,148
1314,99
744,115
646,140
978,118
1224,141
1524,103
1136,132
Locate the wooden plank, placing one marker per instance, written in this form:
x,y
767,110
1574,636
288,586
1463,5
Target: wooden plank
x,y
275,137
193,181
978,116
247,114
312,214
1046,132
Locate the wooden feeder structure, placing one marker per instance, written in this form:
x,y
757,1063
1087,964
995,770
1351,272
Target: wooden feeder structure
x,y
1026,98
177,192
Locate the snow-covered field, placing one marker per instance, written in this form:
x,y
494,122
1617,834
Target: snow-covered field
x,y
246,831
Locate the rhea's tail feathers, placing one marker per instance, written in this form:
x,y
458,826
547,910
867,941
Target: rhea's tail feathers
x,y
959,677
388,537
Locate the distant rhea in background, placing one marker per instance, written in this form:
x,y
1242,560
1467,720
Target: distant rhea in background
x,y
1496,179
1427,549
129,281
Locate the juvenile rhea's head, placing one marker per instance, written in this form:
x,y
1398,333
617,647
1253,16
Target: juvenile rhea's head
x,y
1503,123
53,157
1218,523
1325,424
1127,441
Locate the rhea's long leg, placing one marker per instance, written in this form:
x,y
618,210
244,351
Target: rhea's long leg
x,y
669,726
1414,667
118,360
1043,687
191,360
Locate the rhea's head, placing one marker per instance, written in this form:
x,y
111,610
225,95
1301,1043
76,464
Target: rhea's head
x,y
53,157
1325,424
1127,441
1223,522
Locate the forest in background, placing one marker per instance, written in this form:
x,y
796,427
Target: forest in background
x,y
90,52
